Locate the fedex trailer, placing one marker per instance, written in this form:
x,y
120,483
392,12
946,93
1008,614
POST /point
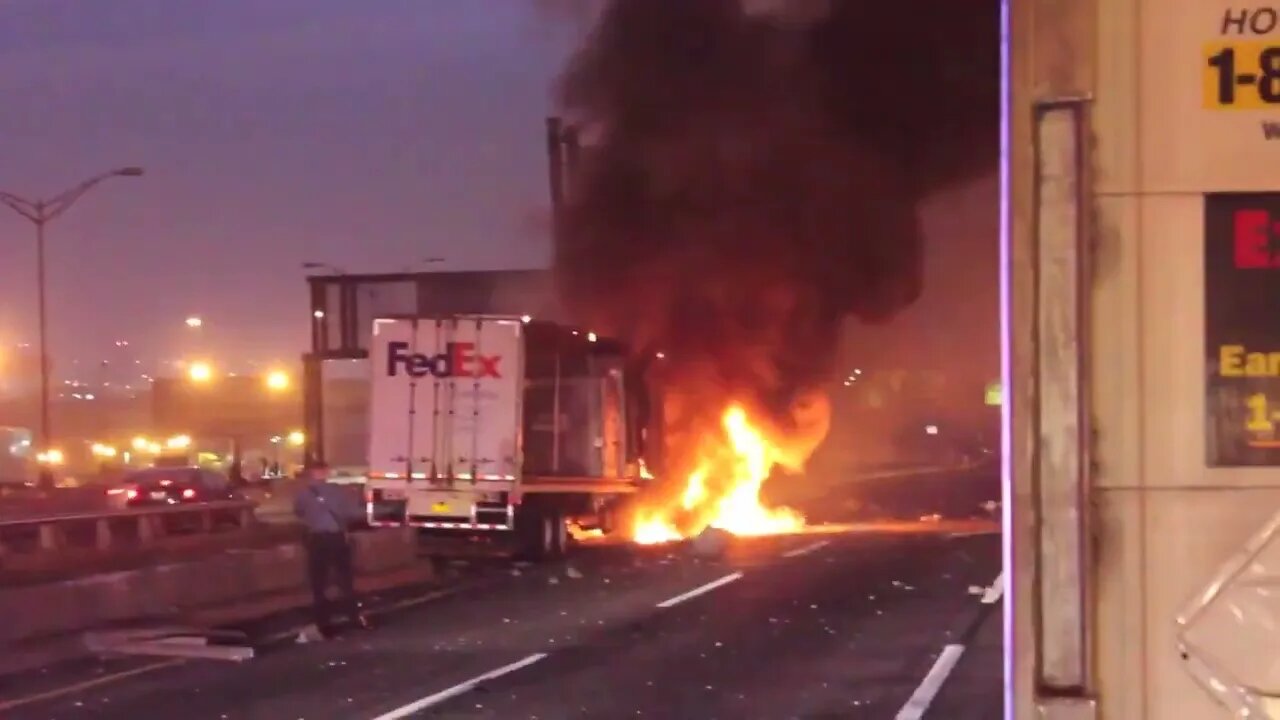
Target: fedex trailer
x,y
502,426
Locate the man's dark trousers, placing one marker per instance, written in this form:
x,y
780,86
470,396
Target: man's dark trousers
x,y
329,558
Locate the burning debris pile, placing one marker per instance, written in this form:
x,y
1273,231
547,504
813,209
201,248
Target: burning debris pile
x,y
747,186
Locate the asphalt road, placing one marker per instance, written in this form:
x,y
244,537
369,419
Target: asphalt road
x,y
855,622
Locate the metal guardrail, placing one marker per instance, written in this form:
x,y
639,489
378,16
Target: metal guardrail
x,y
106,530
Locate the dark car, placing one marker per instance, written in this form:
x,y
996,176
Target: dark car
x,y
171,486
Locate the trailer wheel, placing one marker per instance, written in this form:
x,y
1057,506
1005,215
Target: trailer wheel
x,y
541,532
608,521
559,533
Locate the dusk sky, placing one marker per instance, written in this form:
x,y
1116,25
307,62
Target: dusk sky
x,y
367,135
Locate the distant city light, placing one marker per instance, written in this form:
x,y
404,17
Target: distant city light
x,y
297,438
526,318
178,442
591,337
140,444
103,451
931,429
318,314
277,380
195,322
50,457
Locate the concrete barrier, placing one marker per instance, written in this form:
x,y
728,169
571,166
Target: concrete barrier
x,y
105,531
171,592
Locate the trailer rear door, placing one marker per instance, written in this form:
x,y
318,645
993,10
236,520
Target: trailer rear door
x,y
467,402
391,399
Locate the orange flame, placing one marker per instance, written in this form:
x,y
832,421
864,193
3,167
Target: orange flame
x,y
723,491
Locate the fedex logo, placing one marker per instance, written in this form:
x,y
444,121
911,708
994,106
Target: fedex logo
x,y
1256,237
457,360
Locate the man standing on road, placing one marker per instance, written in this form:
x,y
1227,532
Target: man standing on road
x,y
328,512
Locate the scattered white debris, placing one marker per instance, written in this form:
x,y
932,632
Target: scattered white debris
x,y
553,580
573,573
975,590
935,517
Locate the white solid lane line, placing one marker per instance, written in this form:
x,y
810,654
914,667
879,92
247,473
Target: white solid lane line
x,y
459,689
806,549
994,592
922,698
669,602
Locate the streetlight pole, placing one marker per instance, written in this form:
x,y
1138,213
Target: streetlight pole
x,y
41,213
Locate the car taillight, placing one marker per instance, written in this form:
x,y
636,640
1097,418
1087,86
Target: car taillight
x,y
188,493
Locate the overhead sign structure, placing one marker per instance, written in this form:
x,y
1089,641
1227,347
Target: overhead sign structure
x,y
1242,329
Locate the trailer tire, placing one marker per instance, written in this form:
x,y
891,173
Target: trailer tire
x,y
541,532
559,534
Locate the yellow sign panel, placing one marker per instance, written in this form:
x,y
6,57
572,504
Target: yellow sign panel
x,y
1242,75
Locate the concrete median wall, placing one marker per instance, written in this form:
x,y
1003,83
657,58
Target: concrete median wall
x,y
171,592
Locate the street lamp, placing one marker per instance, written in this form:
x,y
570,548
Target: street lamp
x,y
41,213
200,372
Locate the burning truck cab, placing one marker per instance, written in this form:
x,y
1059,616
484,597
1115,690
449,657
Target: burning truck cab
x,y
505,426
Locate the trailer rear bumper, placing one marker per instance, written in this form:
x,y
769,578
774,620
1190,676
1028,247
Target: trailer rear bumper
x,y
479,516
459,526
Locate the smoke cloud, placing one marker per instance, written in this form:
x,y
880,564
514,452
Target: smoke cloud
x,y
752,173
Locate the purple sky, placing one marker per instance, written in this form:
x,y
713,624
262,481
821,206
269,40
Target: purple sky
x,y
367,135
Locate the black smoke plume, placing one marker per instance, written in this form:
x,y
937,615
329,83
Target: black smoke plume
x,y
751,176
